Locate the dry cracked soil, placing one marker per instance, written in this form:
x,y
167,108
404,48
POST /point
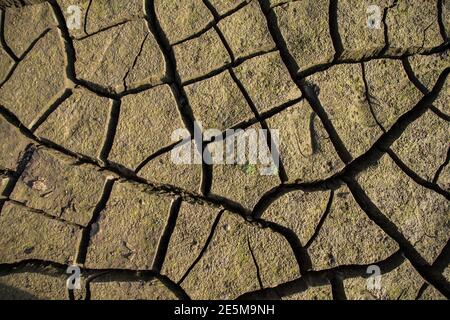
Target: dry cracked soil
x,y
86,177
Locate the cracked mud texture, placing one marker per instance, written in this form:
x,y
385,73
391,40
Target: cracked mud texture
x,y
87,122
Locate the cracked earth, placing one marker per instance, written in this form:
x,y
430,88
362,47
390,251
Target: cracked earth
x,y
86,117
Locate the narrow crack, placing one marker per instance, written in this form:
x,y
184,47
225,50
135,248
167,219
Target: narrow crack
x,y
57,101
68,42
417,261
86,17
321,221
3,42
412,77
442,167
323,278
156,154
385,25
334,29
204,249
369,97
23,56
415,177
164,241
440,114
113,122
255,262
43,213
440,6
22,165
89,229
125,86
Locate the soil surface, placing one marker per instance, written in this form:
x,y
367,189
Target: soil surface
x,y
87,114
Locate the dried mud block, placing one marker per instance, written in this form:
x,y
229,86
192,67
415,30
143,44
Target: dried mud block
x,y
146,123
59,187
267,81
37,80
25,25
79,124
299,211
402,283
6,63
305,29
226,270
48,284
127,290
390,91
12,146
165,170
348,236
424,145
427,69
200,56
118,58
413,26
246,31
314,293
192,229
359,40
128,230
191,17
217,102
305,147
26,234
342,96
274,256
242,182
420,214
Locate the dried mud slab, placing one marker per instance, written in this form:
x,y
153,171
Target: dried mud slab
x,y
128,230
200,56
246,31
79,123
420,214
305,28
38,79
151,113
59,187
27,234
217,102
267,81
24,25
117,59
305,147
192,16
27,285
